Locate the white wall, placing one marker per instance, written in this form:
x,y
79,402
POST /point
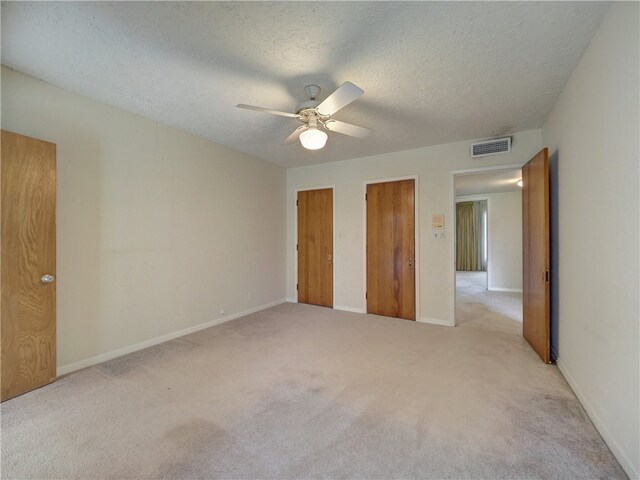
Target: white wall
x,y
505,241
504,211
158,230
433,166
593,135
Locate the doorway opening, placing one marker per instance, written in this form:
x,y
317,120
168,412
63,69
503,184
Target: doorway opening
x,y
488,249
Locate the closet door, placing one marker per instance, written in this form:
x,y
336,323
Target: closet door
x,y
391,249
28,243
315,247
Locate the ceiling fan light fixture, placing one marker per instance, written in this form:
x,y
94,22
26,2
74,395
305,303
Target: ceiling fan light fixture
x,y
312,113
313,139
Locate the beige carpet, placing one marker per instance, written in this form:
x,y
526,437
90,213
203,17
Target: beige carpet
x,y
479,308
306,392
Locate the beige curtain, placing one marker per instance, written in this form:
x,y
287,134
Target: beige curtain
x,y
470,236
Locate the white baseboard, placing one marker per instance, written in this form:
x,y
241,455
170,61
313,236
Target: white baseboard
x,y
500,289
599,424
348,309
292,300
435,321
103,357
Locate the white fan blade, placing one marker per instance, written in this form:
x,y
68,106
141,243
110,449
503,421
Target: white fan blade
x,y
267,110
294,136
343,96
348,129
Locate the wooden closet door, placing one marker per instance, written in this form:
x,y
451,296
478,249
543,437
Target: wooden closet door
x,y
315,247
536,254
391,249
28,243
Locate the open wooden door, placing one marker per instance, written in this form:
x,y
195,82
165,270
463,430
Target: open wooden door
x,y
28,243
391,287
536,254
315,247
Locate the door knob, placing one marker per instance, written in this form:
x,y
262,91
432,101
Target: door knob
x,y
47,278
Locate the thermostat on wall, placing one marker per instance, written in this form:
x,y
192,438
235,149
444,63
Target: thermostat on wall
x,y
437,221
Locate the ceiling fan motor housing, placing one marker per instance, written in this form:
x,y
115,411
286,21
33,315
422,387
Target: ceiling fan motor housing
x,y
309,104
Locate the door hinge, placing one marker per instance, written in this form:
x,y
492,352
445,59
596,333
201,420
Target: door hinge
x,y
365,197
296,247
546,277
365,295
296,286
296,203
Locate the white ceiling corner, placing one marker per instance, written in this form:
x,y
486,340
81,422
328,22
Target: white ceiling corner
x,y
433,72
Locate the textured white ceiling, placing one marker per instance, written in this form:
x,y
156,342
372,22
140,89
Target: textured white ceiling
x,y
433,72
487,182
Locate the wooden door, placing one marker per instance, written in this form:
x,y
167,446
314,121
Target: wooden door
x,y
535,254
28,244
391,249
315,247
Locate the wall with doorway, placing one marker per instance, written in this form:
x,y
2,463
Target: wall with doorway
x,y
159,231
433,166
504,211
593,135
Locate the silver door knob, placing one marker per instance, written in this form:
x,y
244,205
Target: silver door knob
x,y
47,278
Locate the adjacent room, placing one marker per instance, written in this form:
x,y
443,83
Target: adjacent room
x,y
488,249
251,240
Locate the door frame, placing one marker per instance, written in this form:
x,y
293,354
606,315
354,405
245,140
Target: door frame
x,y
416,270
452,216
295,236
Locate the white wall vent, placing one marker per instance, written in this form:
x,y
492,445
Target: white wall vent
x,y
491,147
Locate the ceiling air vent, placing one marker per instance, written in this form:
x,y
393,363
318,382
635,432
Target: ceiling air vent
x,y
491,147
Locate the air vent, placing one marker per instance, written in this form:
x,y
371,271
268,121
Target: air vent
x,y
491,147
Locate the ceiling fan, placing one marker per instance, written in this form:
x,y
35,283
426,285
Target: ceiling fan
x,y
316,116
